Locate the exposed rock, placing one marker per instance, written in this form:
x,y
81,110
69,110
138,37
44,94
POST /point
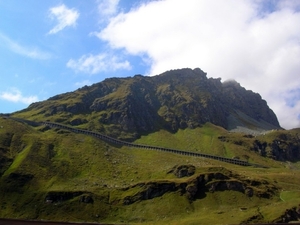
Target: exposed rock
x,y
183,170
19,179
151,190
58,196
214,176
289,215
5,162
15,182
192,189
197,186
86,199
249,192
284,147
78,121
225,185
260,147
255,219
279,145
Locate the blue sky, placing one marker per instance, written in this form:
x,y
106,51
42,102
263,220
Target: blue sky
x,y
55,46
33,60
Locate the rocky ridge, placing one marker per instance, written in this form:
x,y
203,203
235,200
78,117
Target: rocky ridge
x,y
199,184
176,99
193,188
280,145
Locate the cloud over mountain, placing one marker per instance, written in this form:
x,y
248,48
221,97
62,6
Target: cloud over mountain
x,y
254,42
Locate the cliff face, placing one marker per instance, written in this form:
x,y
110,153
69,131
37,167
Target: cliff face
x,y
174,100
282,147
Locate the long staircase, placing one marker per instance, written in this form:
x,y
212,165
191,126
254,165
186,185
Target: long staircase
x,y
124,143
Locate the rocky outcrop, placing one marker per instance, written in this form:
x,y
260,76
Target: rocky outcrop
x,y
280,145
77,121
183,170
15,182
248,108
197,186
60,196
229,185
86,199
284,147
151,190
289,215
5,162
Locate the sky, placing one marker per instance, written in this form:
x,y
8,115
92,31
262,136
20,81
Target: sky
x,y
56,46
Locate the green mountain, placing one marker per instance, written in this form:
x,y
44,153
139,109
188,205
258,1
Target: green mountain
x,y
57,171
177,99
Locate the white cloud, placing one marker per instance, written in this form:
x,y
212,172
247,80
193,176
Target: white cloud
x,y
64,16
107,7
231,39
30,52
15,95
93,64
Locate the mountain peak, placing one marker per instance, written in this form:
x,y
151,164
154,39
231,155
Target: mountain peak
x,y
175,99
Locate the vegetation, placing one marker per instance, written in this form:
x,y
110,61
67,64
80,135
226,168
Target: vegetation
x,y
130,107
43,163
54,174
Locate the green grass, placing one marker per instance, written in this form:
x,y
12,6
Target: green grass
x,y
199,139
287,196
18,160
64,161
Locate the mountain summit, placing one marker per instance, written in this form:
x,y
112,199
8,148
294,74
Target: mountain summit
x,y
67,169
176,99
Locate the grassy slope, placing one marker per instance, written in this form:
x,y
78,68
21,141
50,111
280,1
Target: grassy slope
x,y
63,161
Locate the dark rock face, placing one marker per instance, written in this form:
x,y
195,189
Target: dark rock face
x,y
192,190
183,170
77,121
249,103
280,145
284,147
86,199
5,162
289,215
58,196
22,178
15,182
196,188
151,190
172,100
225,185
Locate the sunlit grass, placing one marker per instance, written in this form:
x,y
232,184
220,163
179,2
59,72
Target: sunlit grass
x,y
63,161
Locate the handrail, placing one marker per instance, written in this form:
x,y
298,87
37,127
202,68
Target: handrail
x,y
125,143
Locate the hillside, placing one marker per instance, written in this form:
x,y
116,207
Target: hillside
x,y
177,99
61,174
54,174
